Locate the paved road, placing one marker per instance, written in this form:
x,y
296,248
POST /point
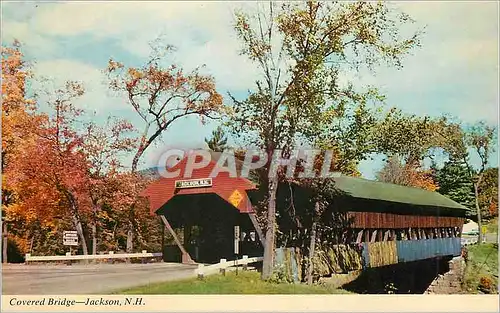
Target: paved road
x,y
87,279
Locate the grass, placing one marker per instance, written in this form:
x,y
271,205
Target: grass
x,y
492,226
482,263
248,282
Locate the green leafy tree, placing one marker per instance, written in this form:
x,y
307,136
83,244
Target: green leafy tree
x,y
477,139
413,137
218,141
303,49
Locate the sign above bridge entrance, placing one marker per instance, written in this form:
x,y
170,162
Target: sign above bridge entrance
x,y
193,183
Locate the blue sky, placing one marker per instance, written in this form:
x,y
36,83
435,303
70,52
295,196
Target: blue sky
x,y
455,72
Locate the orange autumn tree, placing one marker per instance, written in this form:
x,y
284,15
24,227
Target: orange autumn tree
x,y
18,123
408,174
105,147
161,94
50,173
18,118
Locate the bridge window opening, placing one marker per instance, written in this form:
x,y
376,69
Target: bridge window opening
x,y
428,233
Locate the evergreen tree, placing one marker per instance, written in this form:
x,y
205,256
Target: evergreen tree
x,y
218,141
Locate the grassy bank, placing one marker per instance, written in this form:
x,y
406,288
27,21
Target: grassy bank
x,y
481,273
243,283
492,226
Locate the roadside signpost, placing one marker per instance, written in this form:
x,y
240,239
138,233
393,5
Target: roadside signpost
x,y
236,239
236,245
70,238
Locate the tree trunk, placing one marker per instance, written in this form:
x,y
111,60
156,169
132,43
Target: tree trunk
x,y
312,247
94,232
268,263
162,240
94,239
130,237
79,229
5,241
478,212
77,223
130,225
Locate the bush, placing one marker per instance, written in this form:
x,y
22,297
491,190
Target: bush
x,y
485,284
465,253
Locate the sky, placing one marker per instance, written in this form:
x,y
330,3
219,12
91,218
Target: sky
x,y
454,72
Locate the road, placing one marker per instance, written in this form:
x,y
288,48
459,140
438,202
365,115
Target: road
x,y
87,279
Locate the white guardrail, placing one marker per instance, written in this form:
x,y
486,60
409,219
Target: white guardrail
x,y
223,264
465,241
111,255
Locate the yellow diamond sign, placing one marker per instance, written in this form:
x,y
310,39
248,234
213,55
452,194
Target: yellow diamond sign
x,y
235,198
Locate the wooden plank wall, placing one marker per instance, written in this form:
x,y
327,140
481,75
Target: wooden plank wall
x,y
389,220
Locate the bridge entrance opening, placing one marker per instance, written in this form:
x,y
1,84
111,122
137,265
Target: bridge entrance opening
x,y
207,228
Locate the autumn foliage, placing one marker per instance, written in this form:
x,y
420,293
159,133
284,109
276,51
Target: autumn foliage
x,y
61,173
408,174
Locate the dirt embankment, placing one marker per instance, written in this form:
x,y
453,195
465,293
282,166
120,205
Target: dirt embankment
x,y
451,281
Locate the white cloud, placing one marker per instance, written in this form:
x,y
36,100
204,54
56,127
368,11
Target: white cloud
x,y
201,30
458,59
13,30
455,71
96,99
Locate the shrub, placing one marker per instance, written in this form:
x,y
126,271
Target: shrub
x,y
485,284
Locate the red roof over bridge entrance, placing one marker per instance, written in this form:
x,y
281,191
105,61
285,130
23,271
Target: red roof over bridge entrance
x,y
231,189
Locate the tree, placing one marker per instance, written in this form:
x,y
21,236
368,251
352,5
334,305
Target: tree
x,y
477,139
218,141
395,172
18,124
454,182
350,135
488,193
103,147
413,137
302,50
160,95
50,172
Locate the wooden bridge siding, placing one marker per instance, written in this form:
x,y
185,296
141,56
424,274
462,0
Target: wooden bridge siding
x,y
395,221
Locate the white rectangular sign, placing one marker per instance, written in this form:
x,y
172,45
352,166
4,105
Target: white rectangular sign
x,y
193,183
236,233
236,239
70,238
69,242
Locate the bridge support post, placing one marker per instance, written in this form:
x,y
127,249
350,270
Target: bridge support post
x,y
186,258
256,225
359,239
374,235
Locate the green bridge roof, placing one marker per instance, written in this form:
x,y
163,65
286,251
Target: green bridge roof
x,y
373,190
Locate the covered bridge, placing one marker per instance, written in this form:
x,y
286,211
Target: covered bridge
x,y
387,223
